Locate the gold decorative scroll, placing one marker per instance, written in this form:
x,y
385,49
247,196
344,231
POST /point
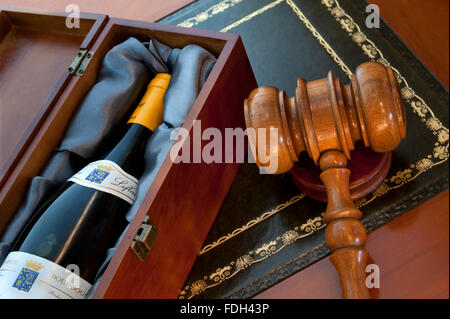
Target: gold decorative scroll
x,y
251,223
208,13
252,257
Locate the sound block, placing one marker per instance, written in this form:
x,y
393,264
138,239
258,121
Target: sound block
x,y
368,170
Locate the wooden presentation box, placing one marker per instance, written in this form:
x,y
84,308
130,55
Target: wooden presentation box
x,y
45,71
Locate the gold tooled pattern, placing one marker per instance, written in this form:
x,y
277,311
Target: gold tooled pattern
x,y
251,15
251,223
319,38
208,13
262,252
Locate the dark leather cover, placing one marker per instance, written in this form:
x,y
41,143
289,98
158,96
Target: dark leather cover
x,y
266,229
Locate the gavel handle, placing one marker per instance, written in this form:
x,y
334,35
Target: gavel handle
x,y
345,234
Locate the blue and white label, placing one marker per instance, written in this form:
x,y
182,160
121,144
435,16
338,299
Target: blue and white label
x,y
26,276
108,177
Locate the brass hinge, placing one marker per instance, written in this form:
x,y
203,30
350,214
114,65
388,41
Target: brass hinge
x,y
81,61
144,239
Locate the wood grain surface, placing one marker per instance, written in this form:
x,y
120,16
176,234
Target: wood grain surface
x,y
423,26
145,10
29,90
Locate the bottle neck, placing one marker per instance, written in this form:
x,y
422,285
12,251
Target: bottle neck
x,y
129,152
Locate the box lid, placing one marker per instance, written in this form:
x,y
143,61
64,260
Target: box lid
x,y
36,50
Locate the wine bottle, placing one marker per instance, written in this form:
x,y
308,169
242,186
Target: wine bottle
x,y
59,252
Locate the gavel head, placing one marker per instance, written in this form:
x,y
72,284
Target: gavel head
x,y
325,115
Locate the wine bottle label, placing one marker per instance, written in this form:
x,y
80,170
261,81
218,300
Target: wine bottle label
x,y
24,275
108,177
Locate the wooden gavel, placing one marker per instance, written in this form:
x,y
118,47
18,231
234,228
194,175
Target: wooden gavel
x,y
325,119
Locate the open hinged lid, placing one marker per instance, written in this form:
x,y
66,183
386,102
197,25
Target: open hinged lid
x,y
38,51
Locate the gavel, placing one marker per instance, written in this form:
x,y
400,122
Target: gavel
x,y
324,119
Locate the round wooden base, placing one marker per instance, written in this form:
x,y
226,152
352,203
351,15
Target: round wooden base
x,y
368,170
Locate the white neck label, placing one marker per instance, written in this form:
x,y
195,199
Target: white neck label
x,y
108,177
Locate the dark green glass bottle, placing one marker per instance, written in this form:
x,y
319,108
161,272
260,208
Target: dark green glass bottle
x,y
86,216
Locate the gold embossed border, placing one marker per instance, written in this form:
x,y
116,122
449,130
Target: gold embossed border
x,y
252,257
208,13
252,15
251,223
438,156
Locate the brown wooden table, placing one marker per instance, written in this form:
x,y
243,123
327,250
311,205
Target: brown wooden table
x,y
145,10
413,250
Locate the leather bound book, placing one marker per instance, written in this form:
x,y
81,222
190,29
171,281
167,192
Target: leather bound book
x,y
267,229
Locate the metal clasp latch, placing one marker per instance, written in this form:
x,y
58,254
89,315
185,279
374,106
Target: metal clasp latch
x,y
144,239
